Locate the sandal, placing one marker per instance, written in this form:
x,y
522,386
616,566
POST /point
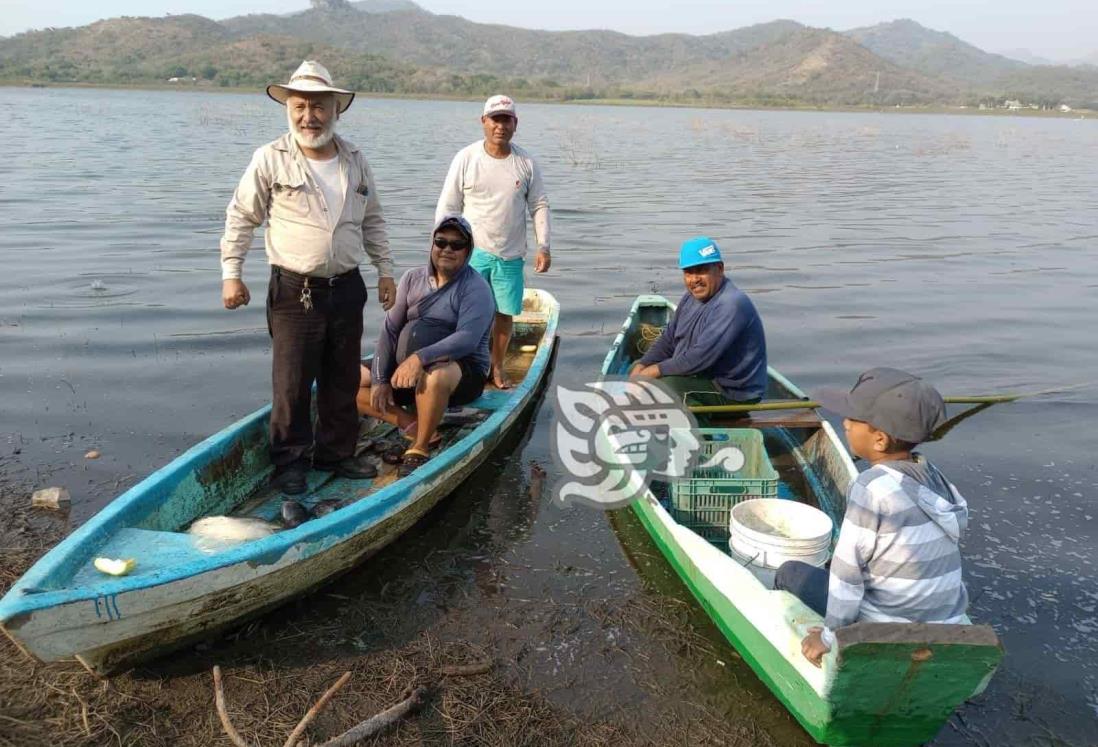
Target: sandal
x,y
411,459
393,454
409,433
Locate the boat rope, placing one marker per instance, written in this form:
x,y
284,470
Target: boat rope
x,y
649,333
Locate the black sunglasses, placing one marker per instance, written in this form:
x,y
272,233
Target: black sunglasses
x,y
458,245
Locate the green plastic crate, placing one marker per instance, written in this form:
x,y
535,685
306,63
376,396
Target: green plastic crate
x,y
704,501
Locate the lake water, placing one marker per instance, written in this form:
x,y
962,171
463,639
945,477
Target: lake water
x,y
963,248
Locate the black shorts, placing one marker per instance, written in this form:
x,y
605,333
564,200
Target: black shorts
x,y
468,389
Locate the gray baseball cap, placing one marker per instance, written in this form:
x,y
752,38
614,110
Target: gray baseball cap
x,y
458,221
894,401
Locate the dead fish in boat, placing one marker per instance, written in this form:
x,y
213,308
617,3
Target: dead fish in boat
x,y
213,533
323,508
293,514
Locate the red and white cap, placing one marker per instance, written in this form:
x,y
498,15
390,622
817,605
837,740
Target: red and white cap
x,y
500,104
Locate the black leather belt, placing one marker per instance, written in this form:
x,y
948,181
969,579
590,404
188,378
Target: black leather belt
x,y
313,280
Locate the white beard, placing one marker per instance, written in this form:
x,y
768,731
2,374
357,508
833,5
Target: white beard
x,y
306,140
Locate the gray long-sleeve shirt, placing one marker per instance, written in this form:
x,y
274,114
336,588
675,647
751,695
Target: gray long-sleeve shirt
x,y
495,194
720,338
459,315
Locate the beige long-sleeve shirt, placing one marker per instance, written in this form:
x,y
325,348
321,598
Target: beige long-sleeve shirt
x,y
278,187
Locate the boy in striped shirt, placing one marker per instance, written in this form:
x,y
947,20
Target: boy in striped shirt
x,y
897,558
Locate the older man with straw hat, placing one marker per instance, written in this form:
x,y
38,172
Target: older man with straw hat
x,y
316,193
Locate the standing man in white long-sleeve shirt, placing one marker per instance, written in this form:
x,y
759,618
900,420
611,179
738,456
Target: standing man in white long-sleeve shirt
x,y
316,193
494,184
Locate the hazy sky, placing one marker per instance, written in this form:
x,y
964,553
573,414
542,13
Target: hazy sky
x,y
1058,29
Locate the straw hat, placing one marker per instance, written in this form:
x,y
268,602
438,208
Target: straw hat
x,y
310,77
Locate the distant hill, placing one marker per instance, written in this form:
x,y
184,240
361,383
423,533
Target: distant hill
x,y
934,53
121,50
808,65
384,6
1026,56
781,61
422,38
1053,85
153,50
396,46
982,74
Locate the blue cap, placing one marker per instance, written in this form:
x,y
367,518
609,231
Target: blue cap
x,y
700,250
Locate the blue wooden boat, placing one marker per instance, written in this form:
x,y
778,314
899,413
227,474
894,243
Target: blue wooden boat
x,y
182,589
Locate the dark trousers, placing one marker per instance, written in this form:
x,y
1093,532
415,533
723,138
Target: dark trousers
x,y
322,344
698,390
806,582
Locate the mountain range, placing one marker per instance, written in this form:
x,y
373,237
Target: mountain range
x,y
396,46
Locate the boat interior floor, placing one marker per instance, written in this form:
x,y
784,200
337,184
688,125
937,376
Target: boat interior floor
x,y
376,438
157,549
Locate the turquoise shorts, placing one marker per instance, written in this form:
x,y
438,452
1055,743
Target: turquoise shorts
x,y
505,277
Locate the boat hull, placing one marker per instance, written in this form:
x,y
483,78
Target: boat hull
x,y
134,626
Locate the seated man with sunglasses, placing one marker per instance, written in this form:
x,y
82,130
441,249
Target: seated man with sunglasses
x,y
433,348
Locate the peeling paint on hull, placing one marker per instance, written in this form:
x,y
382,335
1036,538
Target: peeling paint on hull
x,y
245,593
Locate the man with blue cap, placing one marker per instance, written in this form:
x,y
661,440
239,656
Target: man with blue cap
x,y
715,341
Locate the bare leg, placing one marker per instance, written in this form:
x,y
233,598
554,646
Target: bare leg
x,y
431,401
501,339
392,415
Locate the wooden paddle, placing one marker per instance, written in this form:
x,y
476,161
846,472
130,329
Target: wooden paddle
x,y
802,404
982,402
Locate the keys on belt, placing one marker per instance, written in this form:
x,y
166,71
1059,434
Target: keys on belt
x,y
308,282
306,296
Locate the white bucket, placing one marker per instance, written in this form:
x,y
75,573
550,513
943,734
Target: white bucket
x,y
766,532
762,573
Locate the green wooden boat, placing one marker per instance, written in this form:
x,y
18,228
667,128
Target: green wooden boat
x,y
884,683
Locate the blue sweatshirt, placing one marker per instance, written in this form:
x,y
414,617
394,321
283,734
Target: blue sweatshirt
x,y
456,318
721,339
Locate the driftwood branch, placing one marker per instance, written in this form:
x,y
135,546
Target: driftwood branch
x,y
317,708
466,670
380,722
219,701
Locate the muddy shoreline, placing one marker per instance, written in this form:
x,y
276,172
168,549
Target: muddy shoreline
x,y
586,648
437,598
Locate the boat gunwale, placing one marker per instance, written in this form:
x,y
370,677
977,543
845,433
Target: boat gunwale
x,y
24,598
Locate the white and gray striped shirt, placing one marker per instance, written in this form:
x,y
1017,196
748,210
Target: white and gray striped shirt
x,y
897,558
